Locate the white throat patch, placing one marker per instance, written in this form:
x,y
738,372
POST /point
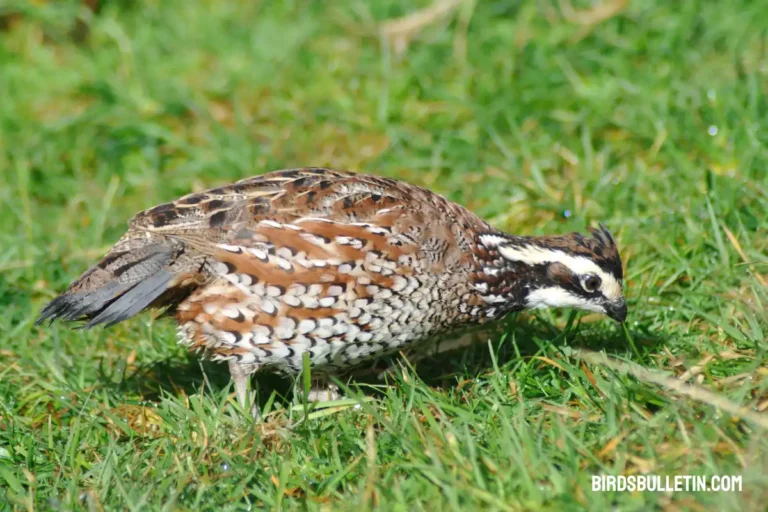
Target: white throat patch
x,y
556,297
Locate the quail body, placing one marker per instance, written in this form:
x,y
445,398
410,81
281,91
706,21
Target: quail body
x,y
339,266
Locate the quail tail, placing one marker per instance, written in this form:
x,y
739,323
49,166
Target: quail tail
x,y
131,277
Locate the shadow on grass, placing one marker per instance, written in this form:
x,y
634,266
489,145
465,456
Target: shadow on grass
x,y
522,339
191,376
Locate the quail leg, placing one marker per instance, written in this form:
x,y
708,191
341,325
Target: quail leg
x,y
321,390
241,374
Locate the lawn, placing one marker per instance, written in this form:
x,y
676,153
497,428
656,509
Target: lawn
x,y
540,116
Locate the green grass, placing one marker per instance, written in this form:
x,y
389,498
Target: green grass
x,y
653,121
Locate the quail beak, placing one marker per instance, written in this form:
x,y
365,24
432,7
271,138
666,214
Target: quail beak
x,y
617,310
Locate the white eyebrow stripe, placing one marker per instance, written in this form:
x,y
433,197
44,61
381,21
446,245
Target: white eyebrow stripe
x,y
532,255
579,265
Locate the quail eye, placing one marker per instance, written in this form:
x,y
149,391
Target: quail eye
x,y
591,284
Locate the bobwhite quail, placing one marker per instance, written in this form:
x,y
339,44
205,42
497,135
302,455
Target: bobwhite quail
x,y
336,265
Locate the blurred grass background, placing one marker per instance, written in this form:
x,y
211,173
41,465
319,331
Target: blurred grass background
x,y
541,116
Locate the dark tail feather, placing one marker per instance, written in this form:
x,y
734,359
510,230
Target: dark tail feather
x,y
71,306
133,301
125,281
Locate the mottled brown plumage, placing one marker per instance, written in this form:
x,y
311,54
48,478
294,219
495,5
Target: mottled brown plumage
x,y
336,265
